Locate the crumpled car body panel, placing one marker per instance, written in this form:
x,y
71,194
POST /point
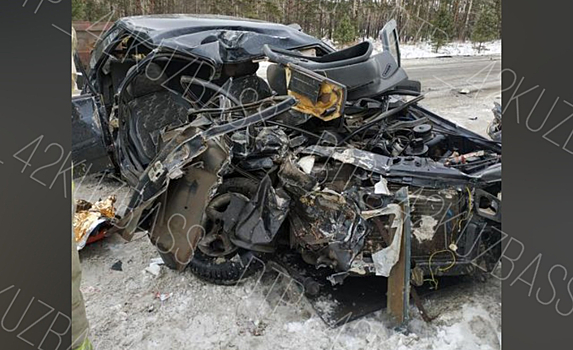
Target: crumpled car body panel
x,y
218,39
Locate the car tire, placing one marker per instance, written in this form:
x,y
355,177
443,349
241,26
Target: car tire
x,y
228,272
244,263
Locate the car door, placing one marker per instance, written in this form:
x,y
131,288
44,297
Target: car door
x,y
91,151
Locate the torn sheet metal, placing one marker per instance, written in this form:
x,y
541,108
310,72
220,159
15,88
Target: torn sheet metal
x,y
363,159
412,168
323,215
271,141
155,179
268,142
294,179
381,187
386,258
306,163
259,152
177,229
327,223
89,219
260,218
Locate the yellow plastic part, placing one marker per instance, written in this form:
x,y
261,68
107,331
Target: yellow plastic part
x,y
331,97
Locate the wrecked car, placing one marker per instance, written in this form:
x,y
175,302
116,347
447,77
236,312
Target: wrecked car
x,y
243,139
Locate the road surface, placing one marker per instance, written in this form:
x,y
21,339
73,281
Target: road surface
x,y
444,78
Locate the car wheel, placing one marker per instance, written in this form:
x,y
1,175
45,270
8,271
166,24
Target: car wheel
x,y
217,260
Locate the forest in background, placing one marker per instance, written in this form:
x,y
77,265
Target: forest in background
x,y
343,21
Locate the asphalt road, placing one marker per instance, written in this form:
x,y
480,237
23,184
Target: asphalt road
x,y
444,74
461,89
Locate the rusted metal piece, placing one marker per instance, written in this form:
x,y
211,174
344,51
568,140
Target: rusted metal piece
x,y
382,230
416,273
178,226
387,257
399,279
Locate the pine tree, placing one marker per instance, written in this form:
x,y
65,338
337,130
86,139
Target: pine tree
x,y
343,20
486,27
96,10
344,32
78,10
443,26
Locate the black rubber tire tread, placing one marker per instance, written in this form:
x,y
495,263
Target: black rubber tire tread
x,y
229,272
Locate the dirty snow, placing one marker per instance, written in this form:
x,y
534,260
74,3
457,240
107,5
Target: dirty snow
x,y
126,311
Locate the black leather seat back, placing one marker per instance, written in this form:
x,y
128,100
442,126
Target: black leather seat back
x,y
151,109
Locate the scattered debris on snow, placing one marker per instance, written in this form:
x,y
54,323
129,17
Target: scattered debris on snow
x,y
157,261
163,296
153,269
117,266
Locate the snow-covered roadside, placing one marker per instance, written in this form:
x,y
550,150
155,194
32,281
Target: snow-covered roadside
x,y
425,49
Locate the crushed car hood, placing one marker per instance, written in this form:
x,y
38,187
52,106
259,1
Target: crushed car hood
x,y
220,39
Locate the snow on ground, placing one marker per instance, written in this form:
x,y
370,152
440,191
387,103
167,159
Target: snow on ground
x,y
425,49
126,313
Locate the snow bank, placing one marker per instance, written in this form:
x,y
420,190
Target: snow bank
x,y
425,49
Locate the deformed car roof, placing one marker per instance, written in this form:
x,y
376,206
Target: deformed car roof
x,y
220,39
